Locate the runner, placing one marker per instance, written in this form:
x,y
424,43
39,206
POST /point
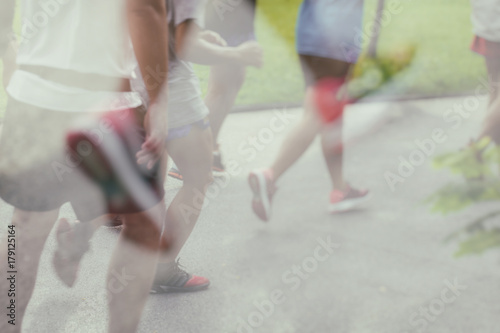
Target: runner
x,y
326,44
486,42
189,142
234,22
71,73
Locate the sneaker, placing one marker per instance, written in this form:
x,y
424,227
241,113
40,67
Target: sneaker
x,y
217,165
170,278
342,201
263,188
175,173
109,160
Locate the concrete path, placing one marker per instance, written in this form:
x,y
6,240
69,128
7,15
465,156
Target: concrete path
x,y
383,268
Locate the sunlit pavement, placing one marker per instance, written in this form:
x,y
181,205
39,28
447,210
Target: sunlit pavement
x,y
383,268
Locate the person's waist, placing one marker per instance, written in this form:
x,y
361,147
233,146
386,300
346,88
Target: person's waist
x,y
87,81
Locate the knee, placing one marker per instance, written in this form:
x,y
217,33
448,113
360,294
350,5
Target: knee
x,y
200,180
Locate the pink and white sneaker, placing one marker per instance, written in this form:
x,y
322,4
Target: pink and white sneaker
x,y
263,188
342,201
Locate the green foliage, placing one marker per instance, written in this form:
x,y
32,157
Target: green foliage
x,y
478,167
370,74
479,242
440,30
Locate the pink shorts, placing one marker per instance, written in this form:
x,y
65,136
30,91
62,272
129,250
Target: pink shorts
x,y
485,47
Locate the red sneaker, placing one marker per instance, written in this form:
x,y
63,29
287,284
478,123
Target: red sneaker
x,y
263,188
170,277
342,201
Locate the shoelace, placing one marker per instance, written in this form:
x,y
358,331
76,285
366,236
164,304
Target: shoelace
x,y
178,268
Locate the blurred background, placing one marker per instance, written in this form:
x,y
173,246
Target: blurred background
x,y
441,30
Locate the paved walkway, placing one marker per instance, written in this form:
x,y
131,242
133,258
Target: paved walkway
x,y
383,268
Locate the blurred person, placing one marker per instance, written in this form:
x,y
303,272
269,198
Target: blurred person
x,y
189,142
486,42
234,22
71,73
326,44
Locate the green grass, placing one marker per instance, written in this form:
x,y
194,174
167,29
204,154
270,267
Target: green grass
x,y
440,29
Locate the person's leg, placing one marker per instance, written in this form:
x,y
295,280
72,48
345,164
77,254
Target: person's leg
x,y
491,124
193,156
297,142
493,68
322,76
132,268
224,85
333,154
31,232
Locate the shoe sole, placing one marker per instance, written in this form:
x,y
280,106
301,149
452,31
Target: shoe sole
x,y
175,175
168,289
217,172
260,201
347,205
110,159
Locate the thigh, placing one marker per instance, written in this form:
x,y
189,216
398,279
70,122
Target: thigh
x,y
317,68
192,154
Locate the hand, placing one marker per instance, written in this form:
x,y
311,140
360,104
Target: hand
x,y
156,127
250,54
212,37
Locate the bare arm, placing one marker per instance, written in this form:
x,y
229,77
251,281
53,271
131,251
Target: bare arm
x,y
191,46
149,34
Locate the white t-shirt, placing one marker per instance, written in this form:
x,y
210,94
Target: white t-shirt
x,y
85,36
486,19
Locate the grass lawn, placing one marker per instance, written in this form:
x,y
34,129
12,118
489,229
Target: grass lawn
x,y
440,29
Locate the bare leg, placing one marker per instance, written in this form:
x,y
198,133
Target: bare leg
x,y
333,154
491,125
193,156
297,141
493,68
224,85
31,232
132,268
